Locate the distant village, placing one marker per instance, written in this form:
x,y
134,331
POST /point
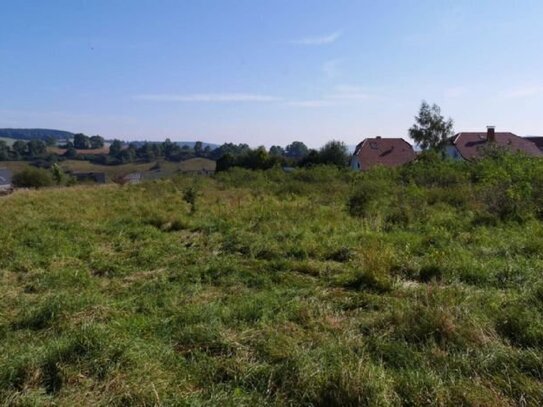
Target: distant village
x,y
371,152
40,157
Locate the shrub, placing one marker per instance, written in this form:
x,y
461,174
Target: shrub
x,y
369,196
190,194
32,178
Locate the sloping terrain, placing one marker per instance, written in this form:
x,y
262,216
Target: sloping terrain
x,y
318,287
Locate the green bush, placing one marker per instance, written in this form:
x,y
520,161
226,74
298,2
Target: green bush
x,y
32,178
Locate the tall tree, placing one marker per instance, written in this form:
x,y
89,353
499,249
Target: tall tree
x,y
277,151
20,148
297,149
431,130
115,148
81,142
334,153
96,142
198,148
36,148
4,151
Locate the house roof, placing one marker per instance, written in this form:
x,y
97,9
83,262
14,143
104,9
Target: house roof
x,y
538,141
389,152
471,145
5,176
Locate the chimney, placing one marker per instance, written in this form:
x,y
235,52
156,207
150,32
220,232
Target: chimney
x,y
490,134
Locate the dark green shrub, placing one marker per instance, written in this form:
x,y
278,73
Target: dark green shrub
x,y
32,178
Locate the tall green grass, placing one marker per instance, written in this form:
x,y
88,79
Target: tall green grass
x,y
320,287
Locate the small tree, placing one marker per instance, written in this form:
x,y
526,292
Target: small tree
x,y
70,152
115,148
190,194
36,148
96,142
297,149
81,142
57,173
431,130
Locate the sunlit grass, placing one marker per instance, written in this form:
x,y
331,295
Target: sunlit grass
x,y
271,293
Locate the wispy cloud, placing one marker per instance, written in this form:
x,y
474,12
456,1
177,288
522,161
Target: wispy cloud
x,y
315,103
208,97
318,40
340,95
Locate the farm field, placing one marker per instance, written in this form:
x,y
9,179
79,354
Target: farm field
x,y
322,287
167,168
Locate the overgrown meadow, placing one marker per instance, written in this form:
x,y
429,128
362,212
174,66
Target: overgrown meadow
x,y
319,287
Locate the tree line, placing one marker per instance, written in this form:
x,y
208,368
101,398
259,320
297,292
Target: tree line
x,y
430,131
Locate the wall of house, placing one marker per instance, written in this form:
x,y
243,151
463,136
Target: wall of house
x,y
452,152
355,163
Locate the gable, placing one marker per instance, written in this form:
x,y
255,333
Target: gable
x,y
388,152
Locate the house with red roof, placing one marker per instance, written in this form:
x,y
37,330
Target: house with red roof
x,y
388,152
472,145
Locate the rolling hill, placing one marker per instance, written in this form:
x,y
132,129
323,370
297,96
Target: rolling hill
x,y
31,134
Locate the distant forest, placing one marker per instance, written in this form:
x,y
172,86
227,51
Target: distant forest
x,y
36,145
35,134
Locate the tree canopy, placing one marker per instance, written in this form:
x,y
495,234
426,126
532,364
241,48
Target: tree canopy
x,y
431,130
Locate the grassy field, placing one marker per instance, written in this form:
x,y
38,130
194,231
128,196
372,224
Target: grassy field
x,y
61,151
319,287
111,171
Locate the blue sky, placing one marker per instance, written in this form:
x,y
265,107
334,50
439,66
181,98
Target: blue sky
x,y
269,72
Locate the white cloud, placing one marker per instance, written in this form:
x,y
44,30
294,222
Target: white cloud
x,y
320,40
208,97
311,103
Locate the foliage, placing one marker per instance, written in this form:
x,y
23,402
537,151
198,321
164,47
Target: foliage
x,y
296,149
32,178
96,142
332,153
431,130
81,142
190,196
57,174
